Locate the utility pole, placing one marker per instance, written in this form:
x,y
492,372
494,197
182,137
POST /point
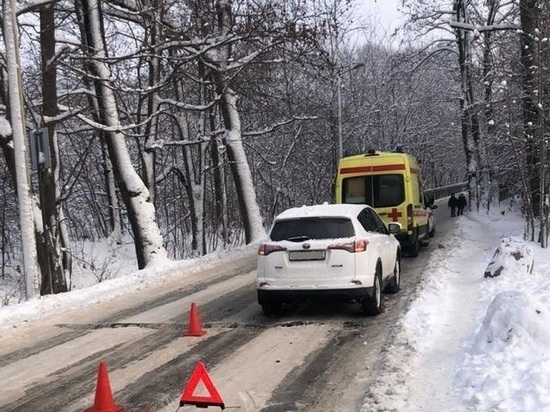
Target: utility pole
x,y
339,96
340,136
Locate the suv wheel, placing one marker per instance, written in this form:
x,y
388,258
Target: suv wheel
x,y
395,284
373,305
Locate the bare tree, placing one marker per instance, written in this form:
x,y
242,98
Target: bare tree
x,y
532,107
53,246
141,212
26,220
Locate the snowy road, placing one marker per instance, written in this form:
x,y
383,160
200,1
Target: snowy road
x,y
313,358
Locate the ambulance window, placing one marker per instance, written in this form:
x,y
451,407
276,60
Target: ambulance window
x,y
389,190
357,190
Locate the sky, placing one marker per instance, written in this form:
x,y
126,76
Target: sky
x,y
466,343
382,14
386,11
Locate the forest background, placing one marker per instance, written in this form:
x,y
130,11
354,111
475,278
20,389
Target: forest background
x,y
185,126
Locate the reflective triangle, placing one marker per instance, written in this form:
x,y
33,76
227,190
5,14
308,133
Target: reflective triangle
x,y
200,375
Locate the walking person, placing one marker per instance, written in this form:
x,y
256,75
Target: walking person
x,y
453,203
461,203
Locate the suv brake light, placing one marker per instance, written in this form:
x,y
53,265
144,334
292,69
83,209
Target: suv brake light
x,y
353,246
265,249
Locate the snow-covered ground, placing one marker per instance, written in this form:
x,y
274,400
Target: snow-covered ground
x,y
470,342
467,342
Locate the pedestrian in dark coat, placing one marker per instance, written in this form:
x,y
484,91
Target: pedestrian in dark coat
x,y
461,203
453,203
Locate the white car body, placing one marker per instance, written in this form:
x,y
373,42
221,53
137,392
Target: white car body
x,y
327,251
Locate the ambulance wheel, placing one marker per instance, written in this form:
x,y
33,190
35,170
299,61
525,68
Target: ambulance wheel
x,y
415,248
272,308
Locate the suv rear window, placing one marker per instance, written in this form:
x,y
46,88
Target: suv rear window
x,y
299,230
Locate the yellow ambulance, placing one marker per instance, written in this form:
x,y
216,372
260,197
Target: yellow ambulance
x,y
391,184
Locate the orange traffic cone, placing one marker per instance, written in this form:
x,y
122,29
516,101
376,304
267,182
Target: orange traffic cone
x,y
195,328
103,395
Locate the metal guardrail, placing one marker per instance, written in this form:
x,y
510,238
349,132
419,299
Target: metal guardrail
x,y
444,191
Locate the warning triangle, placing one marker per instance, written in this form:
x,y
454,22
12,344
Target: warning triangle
x,y
188,397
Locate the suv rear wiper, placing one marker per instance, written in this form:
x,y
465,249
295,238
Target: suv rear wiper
x,y
298,238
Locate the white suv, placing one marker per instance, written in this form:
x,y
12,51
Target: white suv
x,y
340,251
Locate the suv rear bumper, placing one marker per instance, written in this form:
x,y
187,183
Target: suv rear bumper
x,y
301,295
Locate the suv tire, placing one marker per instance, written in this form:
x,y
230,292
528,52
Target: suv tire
x,y
395,284
373,305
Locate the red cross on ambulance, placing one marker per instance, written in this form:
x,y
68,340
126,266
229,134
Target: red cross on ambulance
x,y
395,215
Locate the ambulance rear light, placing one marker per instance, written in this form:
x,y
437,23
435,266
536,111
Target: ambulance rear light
x,y
410,213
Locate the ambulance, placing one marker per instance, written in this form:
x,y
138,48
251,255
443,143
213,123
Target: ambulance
x,y
389,182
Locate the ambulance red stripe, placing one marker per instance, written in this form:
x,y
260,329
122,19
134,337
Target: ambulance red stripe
x,y
370,169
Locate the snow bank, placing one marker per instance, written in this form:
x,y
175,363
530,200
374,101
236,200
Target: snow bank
x,y
513,256
510,351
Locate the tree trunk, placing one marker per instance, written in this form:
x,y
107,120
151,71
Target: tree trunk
x,y
194,185
469,119
488,80
219,179
114,231
248,205
141,212
31,270
115,220
56,254
240,169
195,175
531,115
147,154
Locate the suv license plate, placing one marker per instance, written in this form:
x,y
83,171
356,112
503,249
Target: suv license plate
x,y
307,255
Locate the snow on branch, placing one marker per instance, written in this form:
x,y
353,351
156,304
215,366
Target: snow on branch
x,y
32,6
63,115
277,126
116,128
160,143
186,106
471,27
243,60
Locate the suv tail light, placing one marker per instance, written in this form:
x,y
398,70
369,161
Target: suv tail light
x,y
353,246
410,212
266,248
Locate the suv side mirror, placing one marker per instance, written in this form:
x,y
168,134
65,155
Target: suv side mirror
x,y
394,227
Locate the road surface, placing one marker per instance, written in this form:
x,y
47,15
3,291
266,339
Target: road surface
x,y
313,358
